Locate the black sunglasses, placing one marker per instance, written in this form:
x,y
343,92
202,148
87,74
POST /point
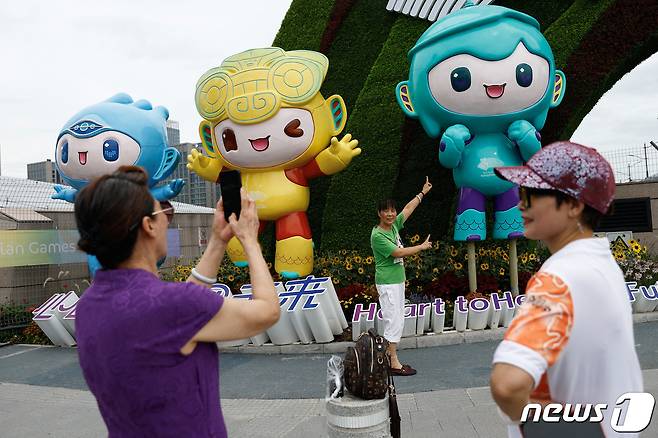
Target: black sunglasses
x,y
169,212
166,208
526,193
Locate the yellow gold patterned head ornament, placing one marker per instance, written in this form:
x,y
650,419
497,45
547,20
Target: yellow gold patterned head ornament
x,y
251,86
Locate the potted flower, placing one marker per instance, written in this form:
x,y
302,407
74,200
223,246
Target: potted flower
x,y
478,310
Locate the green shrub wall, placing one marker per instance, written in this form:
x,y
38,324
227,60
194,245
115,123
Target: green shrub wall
x,y
595,42
377,122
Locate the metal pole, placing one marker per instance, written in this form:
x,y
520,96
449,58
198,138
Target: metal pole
x,y
646,160
629,173
472,272
513,268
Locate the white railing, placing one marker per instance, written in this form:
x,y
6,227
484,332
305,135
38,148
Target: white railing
x,y
429,9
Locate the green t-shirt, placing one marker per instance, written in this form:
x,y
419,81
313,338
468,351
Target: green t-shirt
x,y
388,269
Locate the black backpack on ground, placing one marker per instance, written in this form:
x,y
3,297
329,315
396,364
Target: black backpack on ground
x,y
368,376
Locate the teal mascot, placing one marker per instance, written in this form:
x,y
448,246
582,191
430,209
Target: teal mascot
x,y
483,78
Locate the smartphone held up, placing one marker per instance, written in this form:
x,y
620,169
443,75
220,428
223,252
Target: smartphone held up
x,y
230,184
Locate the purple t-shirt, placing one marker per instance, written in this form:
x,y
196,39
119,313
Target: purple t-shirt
x,y
130,327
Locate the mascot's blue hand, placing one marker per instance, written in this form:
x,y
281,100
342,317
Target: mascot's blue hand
x,y
525,137
453,142
168,191
64,194
175,187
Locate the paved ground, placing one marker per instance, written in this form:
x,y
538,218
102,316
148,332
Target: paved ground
x,y
42,392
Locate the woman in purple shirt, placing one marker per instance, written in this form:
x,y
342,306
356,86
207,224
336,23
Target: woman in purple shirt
x,y
147,347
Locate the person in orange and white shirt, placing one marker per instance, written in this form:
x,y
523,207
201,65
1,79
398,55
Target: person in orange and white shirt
x,y
572,340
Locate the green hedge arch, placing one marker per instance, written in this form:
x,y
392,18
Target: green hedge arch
x,y
595,43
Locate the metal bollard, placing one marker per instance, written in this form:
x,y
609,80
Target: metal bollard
x,y
350,416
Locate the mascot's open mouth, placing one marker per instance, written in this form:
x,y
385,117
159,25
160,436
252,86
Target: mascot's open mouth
x,y
82,156
495,91
260,144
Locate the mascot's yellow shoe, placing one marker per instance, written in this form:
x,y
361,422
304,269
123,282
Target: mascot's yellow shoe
x,y
294,257
236,252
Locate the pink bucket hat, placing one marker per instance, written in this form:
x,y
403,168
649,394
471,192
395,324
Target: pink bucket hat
x,y
570,168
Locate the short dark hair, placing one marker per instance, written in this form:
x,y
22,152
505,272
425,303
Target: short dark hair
x,y
386,204
108,214
590,216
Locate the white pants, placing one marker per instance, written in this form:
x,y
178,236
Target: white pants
x,y
391,301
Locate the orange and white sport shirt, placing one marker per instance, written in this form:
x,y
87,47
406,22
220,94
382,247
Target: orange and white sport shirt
x,y
574,332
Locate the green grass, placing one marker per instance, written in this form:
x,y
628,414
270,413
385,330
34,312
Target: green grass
x,y
566,33
368,57
303,25
376,121
351,57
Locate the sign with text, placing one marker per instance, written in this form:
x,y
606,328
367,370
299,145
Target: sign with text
x,y
54,247
39,247
310,312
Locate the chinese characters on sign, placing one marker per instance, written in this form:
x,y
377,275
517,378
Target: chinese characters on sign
x,y
56,317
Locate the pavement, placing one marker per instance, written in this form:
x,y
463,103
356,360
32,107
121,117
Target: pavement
x,y
42,392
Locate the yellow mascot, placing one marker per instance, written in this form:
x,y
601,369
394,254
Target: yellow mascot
x,y
265,117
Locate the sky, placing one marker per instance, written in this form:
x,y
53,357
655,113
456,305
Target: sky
x,y
61,56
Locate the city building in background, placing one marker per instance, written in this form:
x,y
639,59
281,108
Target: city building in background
x,y
45,171
38,242
173,132
197,191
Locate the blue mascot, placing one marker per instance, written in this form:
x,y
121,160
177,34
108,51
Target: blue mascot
x,y
113,133
484,79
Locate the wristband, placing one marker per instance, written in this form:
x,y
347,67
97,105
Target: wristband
x,y
202,278
419,198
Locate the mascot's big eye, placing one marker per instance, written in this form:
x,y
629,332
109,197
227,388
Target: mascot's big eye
x,y
111,149
524,75
65,152
460,78
228,138
292,129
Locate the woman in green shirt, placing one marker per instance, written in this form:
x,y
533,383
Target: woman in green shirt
x,y
389,270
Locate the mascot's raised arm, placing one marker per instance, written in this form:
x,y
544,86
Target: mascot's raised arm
x,y
264,116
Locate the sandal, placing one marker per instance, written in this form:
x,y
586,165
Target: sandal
x,y
406,370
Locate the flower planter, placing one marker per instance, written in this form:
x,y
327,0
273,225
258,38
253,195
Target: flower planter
x,y
409,326
506,316
379,323
421,321
477,319
653,294
494,315
362,326
260,339
642,304
438,321
460,319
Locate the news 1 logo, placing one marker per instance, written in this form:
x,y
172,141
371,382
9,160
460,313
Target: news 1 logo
x,y
633,417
